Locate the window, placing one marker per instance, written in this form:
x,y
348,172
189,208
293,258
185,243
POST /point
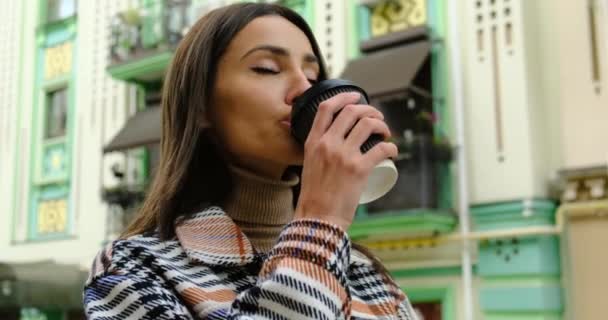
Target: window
x,y
56,114
60,9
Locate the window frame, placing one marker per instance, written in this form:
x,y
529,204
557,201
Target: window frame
x,y
47,112
62,82
44,18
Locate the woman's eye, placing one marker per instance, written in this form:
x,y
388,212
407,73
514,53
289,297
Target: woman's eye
x,y
264,70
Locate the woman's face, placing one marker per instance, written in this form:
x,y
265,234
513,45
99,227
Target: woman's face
x,y
268,64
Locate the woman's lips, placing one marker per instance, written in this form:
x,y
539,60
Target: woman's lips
x,y
286,123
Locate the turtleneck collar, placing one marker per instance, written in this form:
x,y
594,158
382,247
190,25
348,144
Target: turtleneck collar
x,y
260,206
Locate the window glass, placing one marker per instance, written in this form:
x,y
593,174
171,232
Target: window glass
x,y
56,113
60,9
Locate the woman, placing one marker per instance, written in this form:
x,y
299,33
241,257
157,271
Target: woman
x,y
218,235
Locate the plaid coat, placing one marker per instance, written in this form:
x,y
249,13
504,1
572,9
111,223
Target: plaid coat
x,y
211,271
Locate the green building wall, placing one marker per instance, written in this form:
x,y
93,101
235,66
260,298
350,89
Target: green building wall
x,y
520,276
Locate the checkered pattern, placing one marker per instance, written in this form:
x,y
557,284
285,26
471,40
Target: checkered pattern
x,y
211,271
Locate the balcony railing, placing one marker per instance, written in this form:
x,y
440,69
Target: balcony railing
x,y
158,26
143,31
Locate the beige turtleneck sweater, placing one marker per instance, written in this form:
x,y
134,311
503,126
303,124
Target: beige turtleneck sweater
x,y
261,207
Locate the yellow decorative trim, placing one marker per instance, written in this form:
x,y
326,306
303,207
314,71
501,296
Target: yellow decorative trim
x,y
52,216
396,15
58,60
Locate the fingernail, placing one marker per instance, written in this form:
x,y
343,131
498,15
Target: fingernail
x,y
355,94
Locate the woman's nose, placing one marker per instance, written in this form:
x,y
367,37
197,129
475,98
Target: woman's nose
x,y
298,86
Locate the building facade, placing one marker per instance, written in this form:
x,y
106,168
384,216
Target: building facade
x,y
500,122
60,107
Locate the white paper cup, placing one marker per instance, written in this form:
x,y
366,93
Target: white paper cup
x,y
381,180
384,176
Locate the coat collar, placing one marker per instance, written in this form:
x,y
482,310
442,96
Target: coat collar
x,y
211,237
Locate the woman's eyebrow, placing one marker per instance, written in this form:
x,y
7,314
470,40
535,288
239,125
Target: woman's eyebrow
x,y
279,51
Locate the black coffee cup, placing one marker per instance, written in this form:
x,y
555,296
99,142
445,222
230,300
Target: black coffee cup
x,y
384,175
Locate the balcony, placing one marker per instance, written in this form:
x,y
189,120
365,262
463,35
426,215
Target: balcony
x,y
142,40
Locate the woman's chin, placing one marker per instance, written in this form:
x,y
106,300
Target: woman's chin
x,y
295,154
295,159
297,163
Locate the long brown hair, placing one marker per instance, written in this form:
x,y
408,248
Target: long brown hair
x,y
192,173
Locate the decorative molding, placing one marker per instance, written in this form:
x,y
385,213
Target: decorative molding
x,y
400,224
519,257
67,27
504,215
520,274
545,298
52,216
50,213
586,184
431,271
395,38
49,206
58,60
397,15
142,70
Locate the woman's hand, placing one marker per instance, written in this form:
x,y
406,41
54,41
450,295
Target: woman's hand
x,y
335,172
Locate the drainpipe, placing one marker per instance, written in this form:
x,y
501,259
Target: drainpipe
x,y
604,9
457,91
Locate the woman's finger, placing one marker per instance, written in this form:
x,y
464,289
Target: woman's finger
x,y
378,153
349,116
365,128
326,111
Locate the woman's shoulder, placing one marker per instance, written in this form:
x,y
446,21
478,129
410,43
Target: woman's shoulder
x,y
128,255
358,258
367,268
372,284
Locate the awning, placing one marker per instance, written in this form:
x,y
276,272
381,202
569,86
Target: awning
x,y
141,129
389,70
42,284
